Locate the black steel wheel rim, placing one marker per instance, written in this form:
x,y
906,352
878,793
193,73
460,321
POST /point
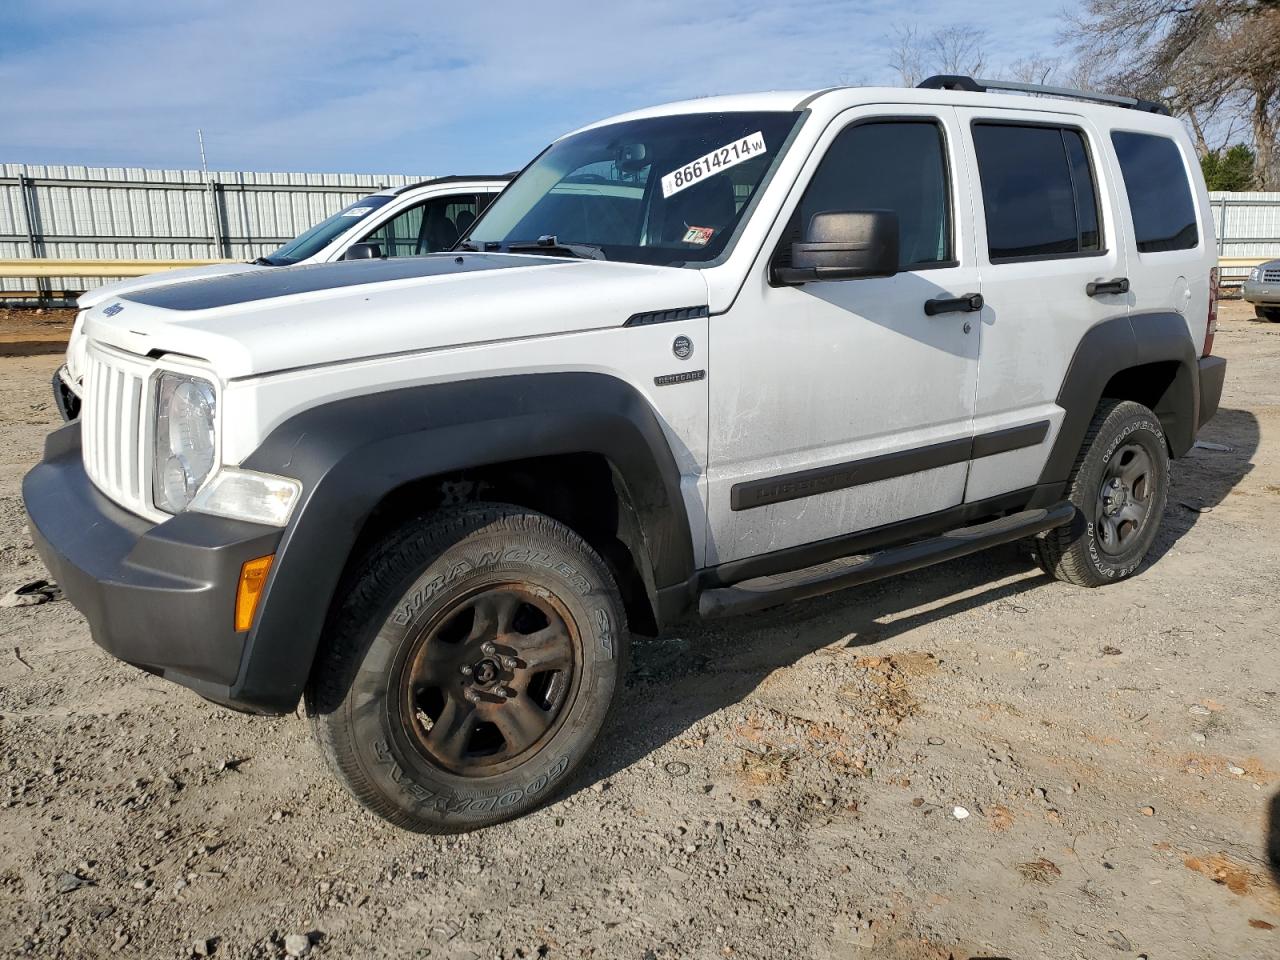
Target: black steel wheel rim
x,y
488,681
1125,497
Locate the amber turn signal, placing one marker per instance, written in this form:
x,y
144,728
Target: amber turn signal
x,y
253,577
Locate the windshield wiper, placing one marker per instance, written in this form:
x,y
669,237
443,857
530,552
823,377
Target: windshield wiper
x,y
265,262
550,245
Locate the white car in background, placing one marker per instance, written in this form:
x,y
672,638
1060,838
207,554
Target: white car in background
x,y
404,221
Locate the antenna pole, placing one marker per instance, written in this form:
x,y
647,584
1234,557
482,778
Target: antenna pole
x,y
204,165
214,232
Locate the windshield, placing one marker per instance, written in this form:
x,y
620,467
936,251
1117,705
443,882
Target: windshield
x,y
311,242
662,190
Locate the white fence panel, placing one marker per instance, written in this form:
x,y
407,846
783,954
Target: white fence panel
x,y
1246,225
110,213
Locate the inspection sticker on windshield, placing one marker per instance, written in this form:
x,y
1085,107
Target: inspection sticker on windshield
x,y
356,211
731,154
699,235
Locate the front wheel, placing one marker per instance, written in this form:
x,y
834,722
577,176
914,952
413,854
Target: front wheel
x,y
1119,486
470,668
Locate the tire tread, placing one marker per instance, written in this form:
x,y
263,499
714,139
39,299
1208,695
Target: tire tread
x,y
378,573
1062,552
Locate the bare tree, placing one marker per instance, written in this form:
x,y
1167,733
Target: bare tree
x,y
956,49
1035,68
1217,63
907,56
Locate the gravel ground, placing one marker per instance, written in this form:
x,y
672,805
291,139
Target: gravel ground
x,y
25,331
971,761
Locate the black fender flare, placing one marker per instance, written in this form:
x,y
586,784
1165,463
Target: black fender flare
x,y
350,453
1110,348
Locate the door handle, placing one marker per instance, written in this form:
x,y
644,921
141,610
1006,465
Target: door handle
x,y
1118,285
968,303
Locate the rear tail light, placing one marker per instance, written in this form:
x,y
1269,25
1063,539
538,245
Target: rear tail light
x,y
1212,326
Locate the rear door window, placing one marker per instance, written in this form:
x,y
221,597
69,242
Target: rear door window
x,y
1038,192
1164,214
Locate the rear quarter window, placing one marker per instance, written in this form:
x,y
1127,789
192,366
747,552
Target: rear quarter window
x,y
1155,177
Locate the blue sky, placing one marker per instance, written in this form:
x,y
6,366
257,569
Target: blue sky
x,y
421,87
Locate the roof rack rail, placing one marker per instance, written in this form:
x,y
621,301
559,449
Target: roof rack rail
x,y
947,81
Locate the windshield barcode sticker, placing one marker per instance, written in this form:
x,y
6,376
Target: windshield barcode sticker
x,y
730,155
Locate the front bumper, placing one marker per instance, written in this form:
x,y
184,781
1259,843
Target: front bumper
x,y
64,395
1258,292
159,596
1213,372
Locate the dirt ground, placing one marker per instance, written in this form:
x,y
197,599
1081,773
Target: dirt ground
x,y
25,331
971,761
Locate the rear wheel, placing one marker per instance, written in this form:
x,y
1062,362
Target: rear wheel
x,y
472,665
1119,486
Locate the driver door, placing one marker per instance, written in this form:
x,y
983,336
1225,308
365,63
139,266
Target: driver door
x,y
840,406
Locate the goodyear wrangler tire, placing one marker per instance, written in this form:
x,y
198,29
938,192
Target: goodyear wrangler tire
x,y
469,668
1119,485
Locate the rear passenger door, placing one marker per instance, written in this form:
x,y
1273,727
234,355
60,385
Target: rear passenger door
x,y
1047,228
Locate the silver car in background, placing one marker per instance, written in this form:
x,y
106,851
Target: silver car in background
x,y
1262,289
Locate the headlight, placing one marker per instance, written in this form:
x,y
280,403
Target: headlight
x,y
1255,274
184,439
248,495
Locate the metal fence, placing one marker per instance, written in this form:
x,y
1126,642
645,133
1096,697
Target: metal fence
x,y
110,213
1247,226
131,213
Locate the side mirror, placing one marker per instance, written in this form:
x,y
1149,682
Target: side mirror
x,y
363,251
844,245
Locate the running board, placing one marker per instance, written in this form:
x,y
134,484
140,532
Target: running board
x,y
762,592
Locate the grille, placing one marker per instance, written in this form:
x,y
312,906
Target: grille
x,y
112,426
1271,276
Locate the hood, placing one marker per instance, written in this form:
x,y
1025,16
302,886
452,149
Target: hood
x,y
288,317
91,298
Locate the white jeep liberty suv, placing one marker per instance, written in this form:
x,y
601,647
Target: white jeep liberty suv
x,y
697,360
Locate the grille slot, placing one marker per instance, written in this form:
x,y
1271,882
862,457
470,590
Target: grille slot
x,y
1271,276
112,426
